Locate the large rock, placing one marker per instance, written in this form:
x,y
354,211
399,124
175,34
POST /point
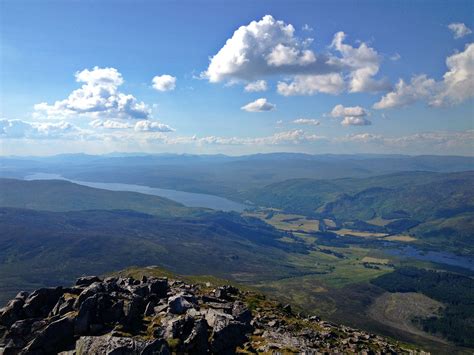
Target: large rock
x,y
197,342
212,316
227,335
241,313
87,280
156,347
178,328
179,304
226,292
55,337
158,287
12,312
41,302
64,305
133,311
112,345
97,312
21,333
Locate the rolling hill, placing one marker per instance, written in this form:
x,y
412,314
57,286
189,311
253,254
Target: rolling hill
x,y
60,196
44,248
437,207
421,195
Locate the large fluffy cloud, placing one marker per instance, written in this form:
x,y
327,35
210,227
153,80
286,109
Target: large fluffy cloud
x,y
97,98
262,48
459,29
164,82
456,86
259,105
458,82
270,47
359,64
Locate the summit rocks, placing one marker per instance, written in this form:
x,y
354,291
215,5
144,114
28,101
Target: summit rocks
x,y
123,315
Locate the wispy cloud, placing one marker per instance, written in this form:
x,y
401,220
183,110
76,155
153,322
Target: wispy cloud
x,y
459,30
307,121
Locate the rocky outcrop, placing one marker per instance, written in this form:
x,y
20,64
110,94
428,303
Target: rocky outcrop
x,y
122,315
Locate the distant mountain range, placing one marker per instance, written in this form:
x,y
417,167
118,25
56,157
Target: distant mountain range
x,y
225,175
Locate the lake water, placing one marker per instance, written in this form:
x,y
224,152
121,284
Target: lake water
x,y
188,199
432,256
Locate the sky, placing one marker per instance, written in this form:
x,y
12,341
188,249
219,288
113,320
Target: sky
x,y
236,77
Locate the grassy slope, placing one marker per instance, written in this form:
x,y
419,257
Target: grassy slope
x,y
59,196
47,248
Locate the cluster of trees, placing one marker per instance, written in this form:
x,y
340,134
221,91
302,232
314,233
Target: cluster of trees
x,y
456,321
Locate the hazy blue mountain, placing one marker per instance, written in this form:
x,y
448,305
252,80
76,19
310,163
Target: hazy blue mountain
x,y
224,175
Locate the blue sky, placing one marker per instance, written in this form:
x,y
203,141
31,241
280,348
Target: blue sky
x,y
343,89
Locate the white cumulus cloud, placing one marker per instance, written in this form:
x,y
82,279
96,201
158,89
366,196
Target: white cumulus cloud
x,y
264,47
458,81
355,111
97,98
270,47
364,62
164,82
355,121
259,105
287,55
456,86
352,116
359,64
404,94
